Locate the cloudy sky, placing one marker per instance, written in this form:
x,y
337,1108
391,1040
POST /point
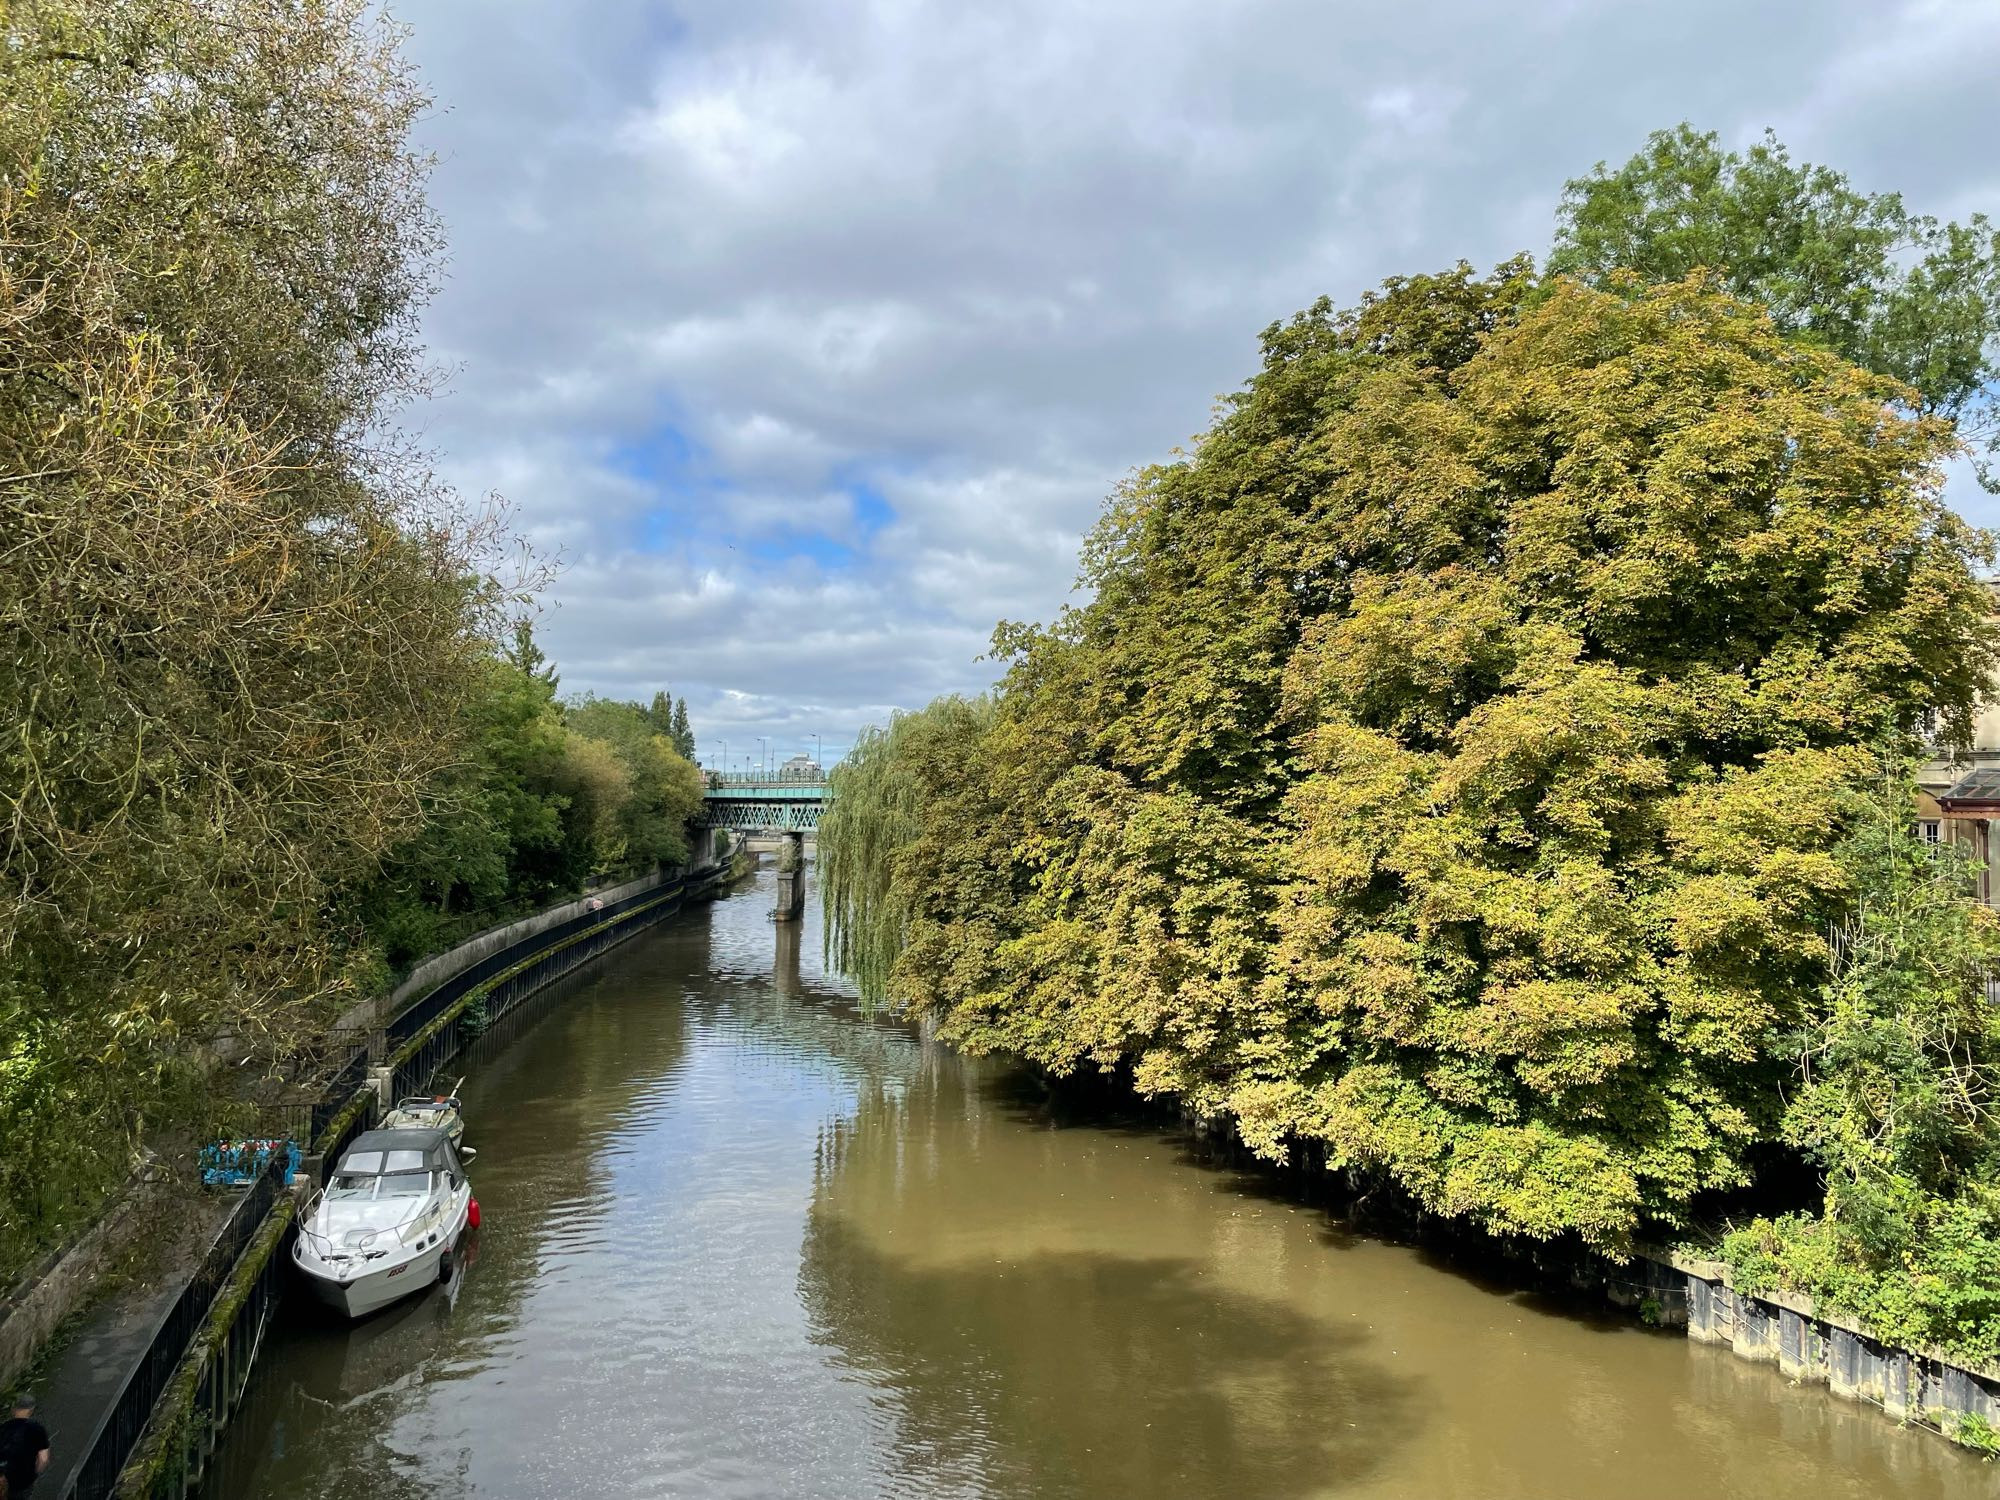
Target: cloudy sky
x,y
812,334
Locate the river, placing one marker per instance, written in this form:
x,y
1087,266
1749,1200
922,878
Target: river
x,y
740,1240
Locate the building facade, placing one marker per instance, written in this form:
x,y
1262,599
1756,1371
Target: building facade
x,y
1959,791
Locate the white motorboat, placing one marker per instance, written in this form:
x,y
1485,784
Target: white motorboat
x,y
428,1111
385,1223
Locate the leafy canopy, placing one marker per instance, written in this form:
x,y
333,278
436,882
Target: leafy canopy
x,y
1449,766
1897,293
242,626
546,797
1893,1100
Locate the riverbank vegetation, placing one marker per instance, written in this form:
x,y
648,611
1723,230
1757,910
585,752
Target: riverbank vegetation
x,y
1483,759
545,796
1892,1097
270,726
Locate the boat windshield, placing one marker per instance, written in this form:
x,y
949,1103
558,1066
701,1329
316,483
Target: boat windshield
x,y
379,1185
381,1174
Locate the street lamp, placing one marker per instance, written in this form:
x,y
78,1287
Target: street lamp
x,y
764,744
816,760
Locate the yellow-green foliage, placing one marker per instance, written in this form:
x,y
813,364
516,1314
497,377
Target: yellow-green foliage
x,y
632,781
241,629
879,792
544,797
1448,766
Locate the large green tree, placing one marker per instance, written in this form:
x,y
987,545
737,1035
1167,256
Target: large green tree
x,y
1448,767
659,792
544,797
1895,292
493,834
242,627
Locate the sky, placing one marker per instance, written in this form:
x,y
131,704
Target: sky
x,y
809,337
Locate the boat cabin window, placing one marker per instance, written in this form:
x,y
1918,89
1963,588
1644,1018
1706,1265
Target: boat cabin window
x,y
404,1184
381,1174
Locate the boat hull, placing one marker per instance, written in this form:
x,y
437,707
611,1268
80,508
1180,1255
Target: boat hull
x,y
371,1286
358,1296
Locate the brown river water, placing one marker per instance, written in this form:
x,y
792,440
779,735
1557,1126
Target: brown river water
x,y
740,1240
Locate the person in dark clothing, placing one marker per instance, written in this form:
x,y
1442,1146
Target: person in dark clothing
x,y
24,1449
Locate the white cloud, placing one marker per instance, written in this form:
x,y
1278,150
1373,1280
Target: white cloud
x,y
814,335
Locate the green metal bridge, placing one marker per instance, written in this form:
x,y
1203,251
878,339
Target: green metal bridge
x,y
771,802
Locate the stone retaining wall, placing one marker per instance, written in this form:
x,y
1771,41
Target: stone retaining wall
x,y
37,1305
439,967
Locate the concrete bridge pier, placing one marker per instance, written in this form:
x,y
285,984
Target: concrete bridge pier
x,y
791,878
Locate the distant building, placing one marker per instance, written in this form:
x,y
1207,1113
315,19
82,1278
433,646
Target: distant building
x,y
1959,791
801,767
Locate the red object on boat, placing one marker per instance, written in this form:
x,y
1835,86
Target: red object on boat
x,y
472,1214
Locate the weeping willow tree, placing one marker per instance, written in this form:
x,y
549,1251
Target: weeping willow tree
x,y
876,811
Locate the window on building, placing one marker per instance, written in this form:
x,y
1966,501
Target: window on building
x,y
1930,830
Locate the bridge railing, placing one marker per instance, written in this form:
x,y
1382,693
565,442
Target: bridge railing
x,y
766,778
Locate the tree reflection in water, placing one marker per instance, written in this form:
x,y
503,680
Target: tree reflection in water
x,y
1029,1348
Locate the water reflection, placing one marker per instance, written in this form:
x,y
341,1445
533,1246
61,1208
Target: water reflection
x,y
786,976
741,1240
1022,1355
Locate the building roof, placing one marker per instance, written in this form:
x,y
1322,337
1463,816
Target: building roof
x,y
1977,788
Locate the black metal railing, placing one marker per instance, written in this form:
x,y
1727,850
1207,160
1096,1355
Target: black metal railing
x,y
339,1089
225,1373
287,1122
118,1432
434,1004
536,961
507,987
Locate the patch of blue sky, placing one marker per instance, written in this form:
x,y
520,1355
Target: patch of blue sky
x,y
689,499
815,547
871,511
694,508
666,461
